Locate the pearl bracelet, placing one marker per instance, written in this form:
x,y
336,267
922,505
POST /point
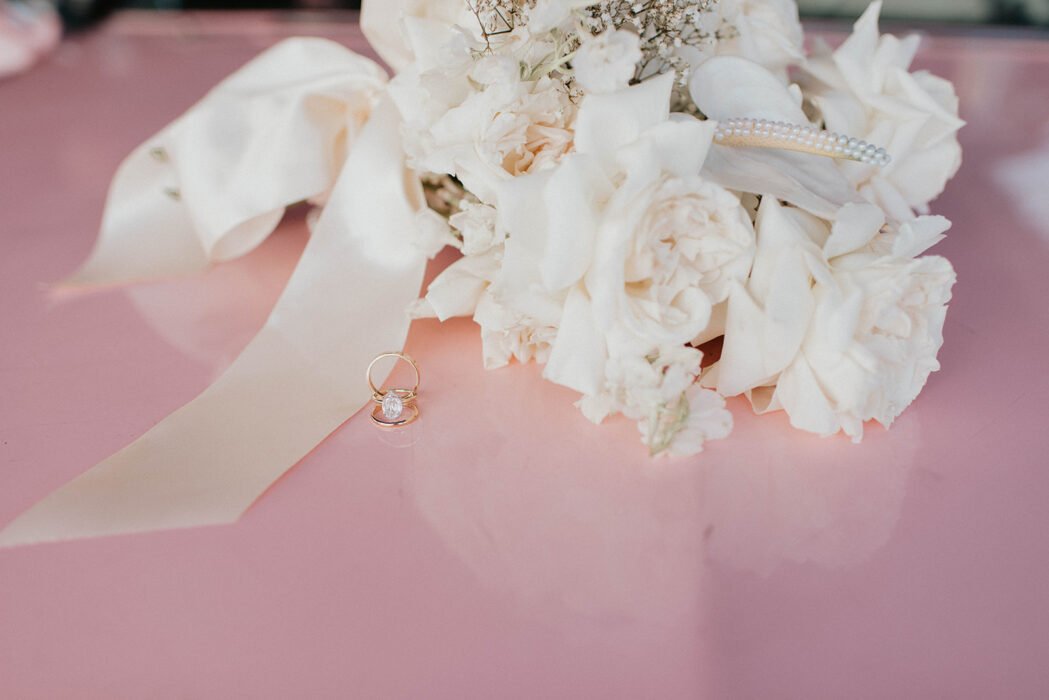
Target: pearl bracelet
x,y
760,133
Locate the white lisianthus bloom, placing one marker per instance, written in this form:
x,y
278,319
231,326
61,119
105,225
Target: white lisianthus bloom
x,y
865,89
607,62
837,325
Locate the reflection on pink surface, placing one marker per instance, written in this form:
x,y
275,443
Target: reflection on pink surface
x,y
504,547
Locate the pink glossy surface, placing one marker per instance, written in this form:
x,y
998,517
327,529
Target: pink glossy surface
x,y
504,547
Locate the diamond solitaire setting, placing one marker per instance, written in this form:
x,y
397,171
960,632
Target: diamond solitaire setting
x,y
392,406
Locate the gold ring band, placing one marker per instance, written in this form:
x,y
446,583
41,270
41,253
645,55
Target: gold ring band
x,y
400,355
411,412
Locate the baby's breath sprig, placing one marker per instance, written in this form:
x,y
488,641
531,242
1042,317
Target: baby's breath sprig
x,y
665,27
498,17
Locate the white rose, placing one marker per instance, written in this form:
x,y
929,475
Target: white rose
x,y
666,255
606,63
865,89
871,346
837,324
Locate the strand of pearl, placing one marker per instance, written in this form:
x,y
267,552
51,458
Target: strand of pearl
x,y
760,133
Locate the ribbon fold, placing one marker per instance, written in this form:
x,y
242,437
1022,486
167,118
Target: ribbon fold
x,y
306,120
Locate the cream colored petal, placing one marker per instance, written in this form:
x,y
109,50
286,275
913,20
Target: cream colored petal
x,y
811,182
577,359
854,227
724,87
606,123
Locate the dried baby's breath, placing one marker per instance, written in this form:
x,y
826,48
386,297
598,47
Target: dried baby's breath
x,y
498,17
665,27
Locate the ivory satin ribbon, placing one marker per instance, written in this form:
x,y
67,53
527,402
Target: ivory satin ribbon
x,y
307,119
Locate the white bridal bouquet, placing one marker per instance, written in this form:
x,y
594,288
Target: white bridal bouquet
x,y
663,202
570,150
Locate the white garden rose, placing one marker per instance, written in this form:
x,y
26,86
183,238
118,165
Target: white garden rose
x,y
666,255
872,343
606,63
838,324
865,89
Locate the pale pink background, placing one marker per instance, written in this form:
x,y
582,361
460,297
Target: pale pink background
x,y
504,547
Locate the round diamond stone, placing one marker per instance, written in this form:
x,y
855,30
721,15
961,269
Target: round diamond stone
x,y
392,406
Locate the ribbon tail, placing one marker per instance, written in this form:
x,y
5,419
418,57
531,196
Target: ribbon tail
x,y
298,379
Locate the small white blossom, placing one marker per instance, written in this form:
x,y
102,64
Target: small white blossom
x,y
477,225
607,62
699,415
